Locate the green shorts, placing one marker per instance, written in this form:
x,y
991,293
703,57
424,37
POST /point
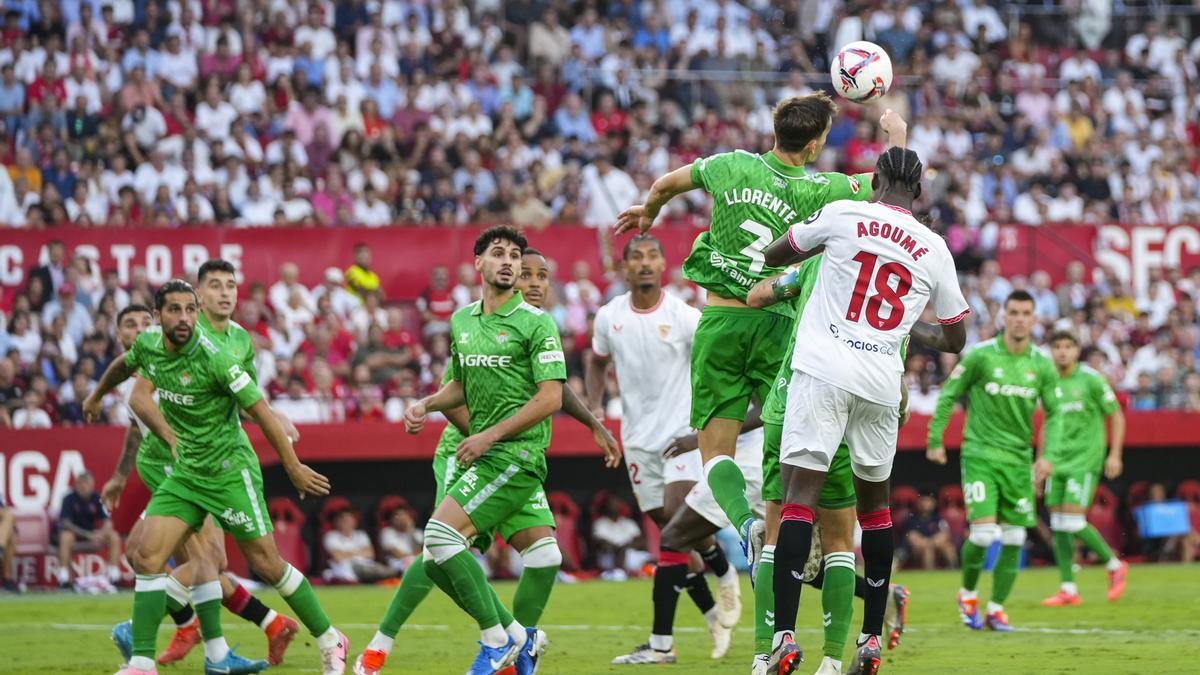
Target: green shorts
x,y
838,491
999,489
1071,487
494,491
152,472
736,352
535,513
234,499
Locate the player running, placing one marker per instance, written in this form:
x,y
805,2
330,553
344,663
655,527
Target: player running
x,y
531,532
737,349
845,368
831,566
1073,442
507,366
647,334
201,386
1003,378
218,299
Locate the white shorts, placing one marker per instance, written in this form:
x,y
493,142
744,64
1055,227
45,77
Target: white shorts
x,y
749,459
649,472
819,415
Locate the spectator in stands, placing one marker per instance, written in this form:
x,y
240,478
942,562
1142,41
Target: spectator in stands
x,y
350,553
298,405
84,525
436,303
78,320
360,278
400,540
617,539
606,191
12,391
31,415
340,300
927,537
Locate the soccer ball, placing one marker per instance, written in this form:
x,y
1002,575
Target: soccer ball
x,y
861,71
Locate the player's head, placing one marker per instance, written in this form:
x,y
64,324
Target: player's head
x,y
1064,348
644,262
534,280
176,305
898,171
217,280
802,123
498,252
1018,314
131,321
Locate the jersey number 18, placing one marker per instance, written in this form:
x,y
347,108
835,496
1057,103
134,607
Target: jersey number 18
x,y
894,297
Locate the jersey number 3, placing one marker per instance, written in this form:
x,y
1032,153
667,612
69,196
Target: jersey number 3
x,y
884,293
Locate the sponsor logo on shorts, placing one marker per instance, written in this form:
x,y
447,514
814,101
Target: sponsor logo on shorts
x,y
236,519
469,479
996,389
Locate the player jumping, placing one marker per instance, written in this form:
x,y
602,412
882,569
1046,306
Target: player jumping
x,y
647,334
879,269
507,366
201,386
1074,445
530,532
1003,378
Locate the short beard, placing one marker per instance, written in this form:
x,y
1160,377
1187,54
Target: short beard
x,y
176,342
502,285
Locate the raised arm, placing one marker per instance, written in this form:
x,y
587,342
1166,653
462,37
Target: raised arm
x,y
666,188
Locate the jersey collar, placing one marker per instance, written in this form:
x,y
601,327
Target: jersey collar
x,y
786,169
503,310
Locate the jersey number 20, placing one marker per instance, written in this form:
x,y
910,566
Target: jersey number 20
x,y
894,297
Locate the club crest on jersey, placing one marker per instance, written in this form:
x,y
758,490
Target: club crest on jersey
x,y
501,337
1029,376
664,329
185,378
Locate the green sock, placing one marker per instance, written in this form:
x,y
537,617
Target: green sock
x,y
502,613
463,580
1064,555
299,595
533,590
440,579
174,605
972,564
837,602
207,599
149,608
764,601
728,486
1092,538
414,586
1004,575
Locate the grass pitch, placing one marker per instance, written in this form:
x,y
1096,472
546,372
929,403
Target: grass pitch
x,y
1155,628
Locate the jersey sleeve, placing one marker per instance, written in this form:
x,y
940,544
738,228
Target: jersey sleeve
x,y
233,378
453,372
711,172
545,351
948,301
815,230
135,356
600,326
841,186
952,390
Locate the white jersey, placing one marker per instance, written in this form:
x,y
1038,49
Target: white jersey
x,y
652,351
126,391
879,270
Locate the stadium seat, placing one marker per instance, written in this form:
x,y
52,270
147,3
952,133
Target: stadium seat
x,y
566,519
904,502
331,506
285,514
33,532
1189,491
951,496
1137,494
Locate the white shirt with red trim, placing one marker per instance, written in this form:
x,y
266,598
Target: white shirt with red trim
x,y
652,352
879,270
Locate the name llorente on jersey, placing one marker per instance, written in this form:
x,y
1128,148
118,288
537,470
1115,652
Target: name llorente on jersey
x,y
896,234
761,198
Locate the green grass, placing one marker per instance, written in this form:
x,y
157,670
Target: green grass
x,y
1154,629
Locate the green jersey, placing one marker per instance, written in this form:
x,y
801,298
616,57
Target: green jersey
x,y
755,199
500,358
1002,392
234,339
776,403
199,390
1075,432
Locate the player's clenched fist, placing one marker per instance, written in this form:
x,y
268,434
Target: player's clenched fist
x,y
91,408
636,216
414,418
307,481
936,455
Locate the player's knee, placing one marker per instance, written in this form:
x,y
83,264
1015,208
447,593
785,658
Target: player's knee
x,y
673,538
717,461
984,534
542,553
442,542
1067,522
146,562
1012,535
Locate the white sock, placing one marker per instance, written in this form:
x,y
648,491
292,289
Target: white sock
x,y
517,632
216,649
862,638
271,616
63,575
662,643
967,595
777,639
381,643
730,578
329,639
993,607
495,636
1069,588
1113,564
711,615
837,665
141,663
114,573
